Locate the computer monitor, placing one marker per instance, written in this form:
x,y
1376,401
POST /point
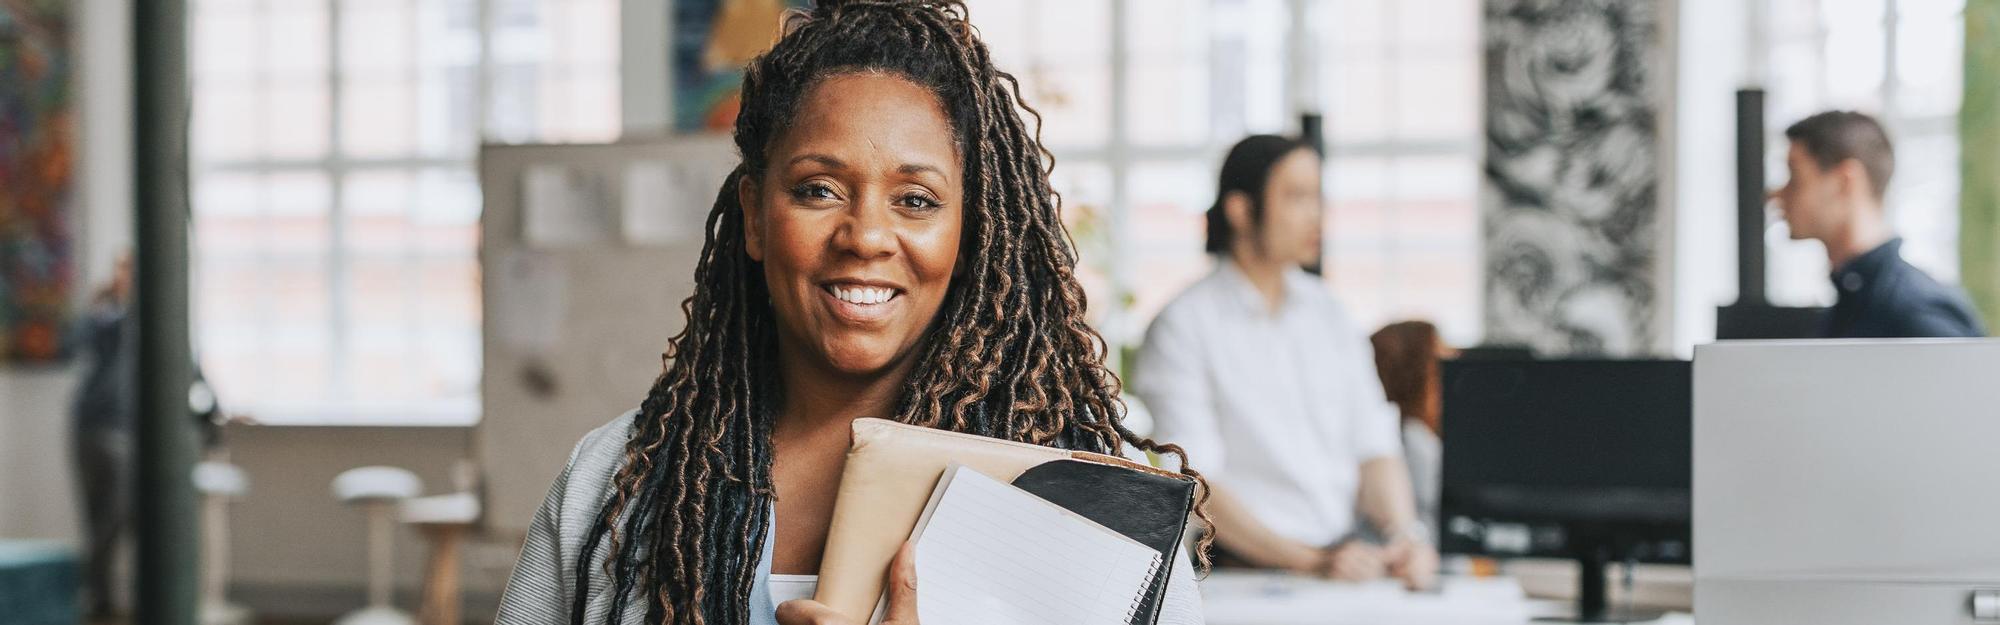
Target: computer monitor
x,y
1582,459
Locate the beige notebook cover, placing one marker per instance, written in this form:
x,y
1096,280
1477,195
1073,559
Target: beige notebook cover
x,y
891,471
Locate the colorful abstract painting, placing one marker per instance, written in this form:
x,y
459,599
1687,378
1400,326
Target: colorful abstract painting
x,y
37,120
713,40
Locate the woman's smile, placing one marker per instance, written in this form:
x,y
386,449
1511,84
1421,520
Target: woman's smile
x,y
861,303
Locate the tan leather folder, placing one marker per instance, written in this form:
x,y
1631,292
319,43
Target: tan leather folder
x,y
891,470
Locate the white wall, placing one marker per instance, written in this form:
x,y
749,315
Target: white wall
x,y
645,67
1710,61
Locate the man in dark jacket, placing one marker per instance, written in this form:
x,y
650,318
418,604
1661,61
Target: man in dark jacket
x,y
105,422
1840,164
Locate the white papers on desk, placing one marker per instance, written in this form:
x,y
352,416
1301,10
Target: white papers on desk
x,y
1257,598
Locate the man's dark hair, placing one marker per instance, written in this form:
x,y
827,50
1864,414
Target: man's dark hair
x,y
1246,170
1836,136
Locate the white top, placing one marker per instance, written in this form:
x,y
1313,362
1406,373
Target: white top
x,y
1424,454
788,587
1282,408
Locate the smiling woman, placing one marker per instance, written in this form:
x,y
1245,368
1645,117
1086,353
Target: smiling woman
x,y
859,230
888,247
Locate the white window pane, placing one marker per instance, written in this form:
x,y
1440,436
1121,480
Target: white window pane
x,y
295,39
451,294
223,125
1359,106
295,119
1086,211
377,118
447,113
1169,104
1073,28
1074,102
1929,64
1794,19
1421,24
1451,178
1168,28
1795,81
1854,53
305,193
1923,202
1168,203
224,194
376,36
1357,25
223,43
1931,9
580,107
447,197
376,193
512,104
1350,178
589,32
1004,27
450,358
1259,82
448,34
1437,97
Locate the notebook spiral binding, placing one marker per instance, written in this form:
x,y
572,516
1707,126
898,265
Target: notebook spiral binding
x,y
1132,612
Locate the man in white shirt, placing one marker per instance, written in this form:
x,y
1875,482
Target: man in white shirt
x,y
1258,373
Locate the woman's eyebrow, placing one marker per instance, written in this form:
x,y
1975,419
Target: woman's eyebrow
x,y
912,169
822,159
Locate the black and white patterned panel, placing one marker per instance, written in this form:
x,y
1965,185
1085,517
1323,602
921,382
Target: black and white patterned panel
x,y
1568,200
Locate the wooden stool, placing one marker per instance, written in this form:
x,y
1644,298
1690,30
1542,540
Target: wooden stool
x,y
443,520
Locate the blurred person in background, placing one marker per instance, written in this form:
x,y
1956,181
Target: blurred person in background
x,y
1258,372
1407,356
1840,163
104,424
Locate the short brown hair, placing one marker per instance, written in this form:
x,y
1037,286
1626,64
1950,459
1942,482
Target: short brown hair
x,y
1836,136
1406,357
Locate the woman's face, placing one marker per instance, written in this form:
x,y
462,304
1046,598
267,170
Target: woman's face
x,y
856,220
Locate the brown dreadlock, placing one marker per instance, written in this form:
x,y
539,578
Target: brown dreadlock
x,y
1009,356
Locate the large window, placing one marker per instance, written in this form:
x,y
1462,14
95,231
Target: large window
x,y
1900,60
335,203
1142,98
1400,83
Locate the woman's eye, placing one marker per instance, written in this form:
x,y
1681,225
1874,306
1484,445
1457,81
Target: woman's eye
x,y
813,191
918,202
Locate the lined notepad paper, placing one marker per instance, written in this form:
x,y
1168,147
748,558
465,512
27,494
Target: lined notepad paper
x,y
992,554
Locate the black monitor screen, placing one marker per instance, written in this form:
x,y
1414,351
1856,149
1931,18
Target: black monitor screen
x,y
1556,445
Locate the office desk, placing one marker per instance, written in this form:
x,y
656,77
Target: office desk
x,y
1255,598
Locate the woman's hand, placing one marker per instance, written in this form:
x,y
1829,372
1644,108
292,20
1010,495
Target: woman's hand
x,y
1413,561
902,609
1354,561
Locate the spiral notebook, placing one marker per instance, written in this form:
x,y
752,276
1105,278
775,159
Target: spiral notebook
x,y
991,553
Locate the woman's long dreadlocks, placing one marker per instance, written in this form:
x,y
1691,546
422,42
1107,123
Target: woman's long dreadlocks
x,y
1010,355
